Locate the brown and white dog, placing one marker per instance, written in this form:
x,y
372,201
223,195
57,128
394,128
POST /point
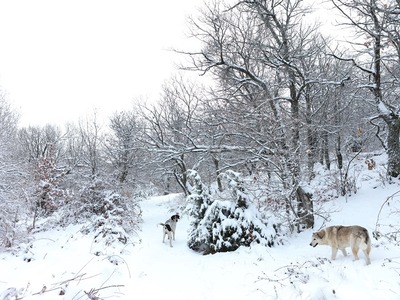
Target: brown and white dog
x,y
340,237
169,228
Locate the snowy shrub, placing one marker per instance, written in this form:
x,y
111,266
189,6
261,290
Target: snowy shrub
x,y
295,275
12,293
110,206
388,230
199,201
227,225
111,216
7,232
49,193
13,219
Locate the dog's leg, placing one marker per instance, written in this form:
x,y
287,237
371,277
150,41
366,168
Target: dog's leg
x,y
173,234
170,238
334,253
344,251
163,231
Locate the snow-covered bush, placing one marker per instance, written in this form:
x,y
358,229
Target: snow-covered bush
x,y
15,211
48,194
111,216
13,225
48,179
199,201
388,231
228,224
7,231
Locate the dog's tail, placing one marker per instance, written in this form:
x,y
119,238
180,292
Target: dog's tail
x,y
166,226
162,224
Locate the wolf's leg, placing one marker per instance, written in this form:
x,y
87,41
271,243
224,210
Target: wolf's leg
x,y
354,250
366,252
344,251
334,253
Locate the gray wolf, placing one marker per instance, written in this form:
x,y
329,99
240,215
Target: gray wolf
x,y
340,237
169,228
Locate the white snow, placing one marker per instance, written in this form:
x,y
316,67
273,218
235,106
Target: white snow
x,y
382,108
65,261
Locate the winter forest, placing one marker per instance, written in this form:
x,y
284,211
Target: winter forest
x,y
273,98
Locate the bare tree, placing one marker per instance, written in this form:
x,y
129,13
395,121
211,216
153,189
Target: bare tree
x,y
73,147
43,151
122,144
35,140
12,177
91,139
259,50
376,25
172,132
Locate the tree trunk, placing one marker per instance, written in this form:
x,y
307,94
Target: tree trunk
x,y
325,149
295,151
305,209
393,147
125,167
311,139
181,176
217,172
339,155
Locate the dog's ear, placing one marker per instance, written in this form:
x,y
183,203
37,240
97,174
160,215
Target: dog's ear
x,y
175,217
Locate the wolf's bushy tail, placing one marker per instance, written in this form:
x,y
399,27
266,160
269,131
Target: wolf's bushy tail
x,y
365,239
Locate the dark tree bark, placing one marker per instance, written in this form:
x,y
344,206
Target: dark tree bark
x,y
305,208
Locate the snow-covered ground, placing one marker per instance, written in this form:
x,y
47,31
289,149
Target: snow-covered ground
x,y
65,264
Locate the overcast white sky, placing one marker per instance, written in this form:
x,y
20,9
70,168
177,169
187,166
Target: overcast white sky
x,y
61,59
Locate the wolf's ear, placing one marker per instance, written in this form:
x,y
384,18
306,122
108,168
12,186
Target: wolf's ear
x,y
321,234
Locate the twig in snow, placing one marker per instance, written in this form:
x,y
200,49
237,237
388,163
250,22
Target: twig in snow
x,y
92,294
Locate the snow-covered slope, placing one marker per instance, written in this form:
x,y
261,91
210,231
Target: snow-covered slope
x,y
63,265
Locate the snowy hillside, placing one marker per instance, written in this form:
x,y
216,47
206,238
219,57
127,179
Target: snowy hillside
x,y
65,264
